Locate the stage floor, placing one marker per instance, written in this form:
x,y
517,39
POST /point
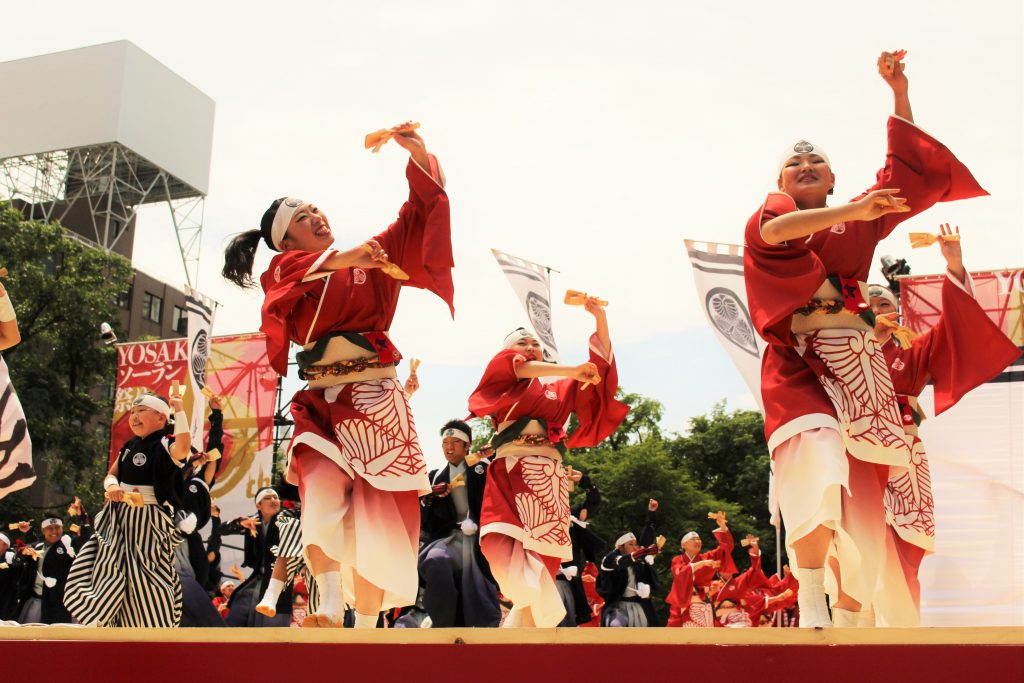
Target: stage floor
x,y
935,655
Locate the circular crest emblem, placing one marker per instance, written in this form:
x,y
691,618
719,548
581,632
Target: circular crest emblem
x,y
549,394
200,352
730,316
193,489
358,276
803,147
479,469
539,311
277,274
139,459
60,551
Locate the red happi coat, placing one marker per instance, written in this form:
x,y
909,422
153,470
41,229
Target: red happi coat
x,y
685,579
527,495
302,305
962,351
365,427
782,277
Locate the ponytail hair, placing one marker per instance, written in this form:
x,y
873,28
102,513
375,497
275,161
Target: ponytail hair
x,y
241,251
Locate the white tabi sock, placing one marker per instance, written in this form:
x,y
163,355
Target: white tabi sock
x,y
273,592
811,598
366,620
329,586
844,618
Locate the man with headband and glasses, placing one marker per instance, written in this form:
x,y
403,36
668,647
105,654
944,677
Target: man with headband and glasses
x,y
831,419
524,520
458,587
125,575
355,455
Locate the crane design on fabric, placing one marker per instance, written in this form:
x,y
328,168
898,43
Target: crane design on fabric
x,y
383,443
544,508
861,390
909,505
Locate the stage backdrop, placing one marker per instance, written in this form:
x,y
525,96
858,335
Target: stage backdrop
x,y
975,449
238,369
976,454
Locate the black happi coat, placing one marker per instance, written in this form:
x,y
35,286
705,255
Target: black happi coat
x,y
613,574
56,564
259,558
438,517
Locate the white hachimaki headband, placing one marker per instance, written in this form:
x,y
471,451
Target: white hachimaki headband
x,y
624,539
456,433
50,522
226,582
3,537
802,147
282,219
883,293
153,403
690,536
516,335
263,493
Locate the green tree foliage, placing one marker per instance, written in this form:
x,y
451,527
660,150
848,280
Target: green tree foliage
x,y
722,464
62,290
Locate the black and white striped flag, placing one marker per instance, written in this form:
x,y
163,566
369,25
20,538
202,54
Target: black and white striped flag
x,y
15,446
201,310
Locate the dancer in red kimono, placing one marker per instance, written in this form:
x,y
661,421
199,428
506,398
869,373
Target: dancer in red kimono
x,y
962,351
693,572
524,520
831,418
354,455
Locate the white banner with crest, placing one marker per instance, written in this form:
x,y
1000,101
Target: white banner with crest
x,y
533,287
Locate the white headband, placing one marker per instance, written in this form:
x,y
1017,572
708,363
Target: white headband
x,y
690,536
802,147
50,522
515,336
3,537
263,493
883,293
282,219
227,582
625,538
456,433
153,403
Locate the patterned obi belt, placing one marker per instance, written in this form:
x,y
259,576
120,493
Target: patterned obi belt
x,y
840,303
347,357
528,435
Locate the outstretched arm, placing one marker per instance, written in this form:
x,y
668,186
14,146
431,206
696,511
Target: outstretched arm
x,y
797,224
891,68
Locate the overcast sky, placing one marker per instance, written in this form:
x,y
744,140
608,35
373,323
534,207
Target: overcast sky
x,y
592,137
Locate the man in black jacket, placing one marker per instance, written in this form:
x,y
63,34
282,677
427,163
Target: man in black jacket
x,y
10,571
627,579
458,587
44,573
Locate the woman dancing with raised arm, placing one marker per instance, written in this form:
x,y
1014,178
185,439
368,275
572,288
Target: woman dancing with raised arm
x,y
354,455
831,419
524,519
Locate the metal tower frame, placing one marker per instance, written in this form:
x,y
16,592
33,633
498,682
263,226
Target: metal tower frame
x,y
114,182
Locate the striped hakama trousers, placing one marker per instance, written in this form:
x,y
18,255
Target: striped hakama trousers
x,y
124,575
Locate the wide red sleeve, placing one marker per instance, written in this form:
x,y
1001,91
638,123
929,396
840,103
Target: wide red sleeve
x,y
598,411
779,277
682,584
963,351
420,241
923,169
287,280
499,389
723,553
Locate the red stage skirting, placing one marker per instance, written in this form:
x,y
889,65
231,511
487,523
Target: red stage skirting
x,y
963,655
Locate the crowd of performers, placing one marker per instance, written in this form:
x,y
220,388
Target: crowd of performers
x,y
492,538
